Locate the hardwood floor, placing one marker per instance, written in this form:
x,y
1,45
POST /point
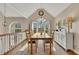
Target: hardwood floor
x,y
59,50
23,50
13,51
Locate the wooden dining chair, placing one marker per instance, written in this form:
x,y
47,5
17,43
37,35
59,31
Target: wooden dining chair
x,y
34,44
47,45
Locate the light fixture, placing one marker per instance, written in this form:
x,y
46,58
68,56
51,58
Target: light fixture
x,y
69,22
4,16
41,13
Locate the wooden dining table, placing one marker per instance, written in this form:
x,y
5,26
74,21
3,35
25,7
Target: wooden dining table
x,y
41,36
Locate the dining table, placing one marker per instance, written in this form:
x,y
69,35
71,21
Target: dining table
x,y
41,36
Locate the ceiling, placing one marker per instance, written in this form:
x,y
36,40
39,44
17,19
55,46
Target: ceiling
x,y
26,9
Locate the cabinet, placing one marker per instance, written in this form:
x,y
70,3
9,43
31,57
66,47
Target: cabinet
x,y
69,40
64,39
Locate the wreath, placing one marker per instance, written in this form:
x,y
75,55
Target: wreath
x,y
40,13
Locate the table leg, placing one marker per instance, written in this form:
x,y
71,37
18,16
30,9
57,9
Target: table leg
x,y
50,47
31,47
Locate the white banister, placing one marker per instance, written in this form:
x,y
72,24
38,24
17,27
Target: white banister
x,y
8,41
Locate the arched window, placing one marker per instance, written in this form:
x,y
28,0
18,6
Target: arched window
x,y
40,25
16,27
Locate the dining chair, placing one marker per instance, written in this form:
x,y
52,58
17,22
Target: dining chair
x,y
34,44
47,45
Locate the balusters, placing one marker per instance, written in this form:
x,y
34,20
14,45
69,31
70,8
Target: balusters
x,y
8,41
5,43
19,37
11,41
1,51
15,39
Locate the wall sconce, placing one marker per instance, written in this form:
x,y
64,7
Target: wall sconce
x,y
69,22
4,16
4,23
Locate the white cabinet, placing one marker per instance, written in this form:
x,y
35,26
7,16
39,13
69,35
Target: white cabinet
x,y
64,39
69,41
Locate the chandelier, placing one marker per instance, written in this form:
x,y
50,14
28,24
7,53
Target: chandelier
x,y
41,13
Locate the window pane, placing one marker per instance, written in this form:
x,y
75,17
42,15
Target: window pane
x,y
18,26
17,30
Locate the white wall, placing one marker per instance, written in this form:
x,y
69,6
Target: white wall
x,y
10,20
1,25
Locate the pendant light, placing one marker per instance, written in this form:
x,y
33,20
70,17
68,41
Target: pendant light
x,y
41,13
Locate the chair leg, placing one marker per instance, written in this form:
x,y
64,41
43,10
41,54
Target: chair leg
x,y
44,47
36,48
28,48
